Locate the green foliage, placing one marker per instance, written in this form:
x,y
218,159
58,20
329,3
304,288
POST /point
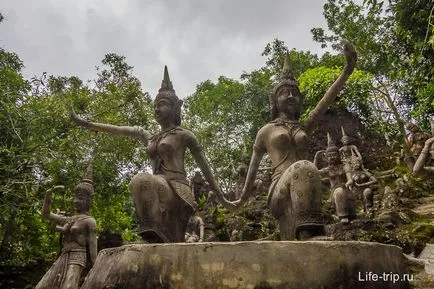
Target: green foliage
x,y
213,113
391,40
40,147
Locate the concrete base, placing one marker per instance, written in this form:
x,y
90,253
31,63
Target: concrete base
x,y
249,265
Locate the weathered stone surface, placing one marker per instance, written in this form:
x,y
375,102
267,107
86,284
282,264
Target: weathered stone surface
x,y
428,256
248,265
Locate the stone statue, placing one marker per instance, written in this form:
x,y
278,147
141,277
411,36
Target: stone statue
x,y
294,197
422,166
363,181
349,153
163,200
416,139
340,180
195,230
240,175
79,238
198,185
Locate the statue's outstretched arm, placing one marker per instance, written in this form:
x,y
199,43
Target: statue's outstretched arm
x,y
372,180
201,161
46,208
130,131
331,93
419,167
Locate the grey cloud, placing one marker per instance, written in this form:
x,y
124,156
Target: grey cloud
x,y
198,40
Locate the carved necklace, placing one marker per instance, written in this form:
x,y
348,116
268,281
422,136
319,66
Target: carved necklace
x,y
292,126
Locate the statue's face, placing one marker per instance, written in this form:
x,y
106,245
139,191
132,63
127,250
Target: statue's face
x,y
163,110
333,156
345,140
80,202
288,100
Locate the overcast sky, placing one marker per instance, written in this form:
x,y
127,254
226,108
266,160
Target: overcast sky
x,y
196,39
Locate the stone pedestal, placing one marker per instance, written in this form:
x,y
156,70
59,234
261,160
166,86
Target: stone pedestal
x,y
249,265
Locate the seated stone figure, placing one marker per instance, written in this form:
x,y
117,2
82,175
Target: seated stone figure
x,y
294,197
79,238
422,166
195,230
363,181
164,200
341,181
349,152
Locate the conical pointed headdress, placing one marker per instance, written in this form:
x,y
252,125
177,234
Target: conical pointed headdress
x,y
166,90
88,176
286,78
85,187
166,84
343,132
330,144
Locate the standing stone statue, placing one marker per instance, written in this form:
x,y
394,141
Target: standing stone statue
x,y
163,200
294,196
363,181
340,180
422,166
195,231
79,238
349,153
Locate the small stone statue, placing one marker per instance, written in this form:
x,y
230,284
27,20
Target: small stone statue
x,y
416,139
241,175
294,197
349,153
340,180
79,238
422,167
199,186
195,230
164,200
363,181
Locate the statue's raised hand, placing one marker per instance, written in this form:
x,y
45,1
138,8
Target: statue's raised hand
x,y
55,188
350,53
76,119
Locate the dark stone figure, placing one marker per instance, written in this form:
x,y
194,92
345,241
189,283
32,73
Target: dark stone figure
x,y
415,141
349,152
163,200
199,186
339,176
79,238
363,181
294,197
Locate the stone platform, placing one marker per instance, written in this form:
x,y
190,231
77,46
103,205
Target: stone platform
x,y
249,265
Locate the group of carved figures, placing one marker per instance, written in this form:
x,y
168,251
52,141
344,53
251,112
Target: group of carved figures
x,y
164,200
348,179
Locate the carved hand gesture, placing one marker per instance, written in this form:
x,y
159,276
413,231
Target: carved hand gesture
x,y
350,53
76,119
